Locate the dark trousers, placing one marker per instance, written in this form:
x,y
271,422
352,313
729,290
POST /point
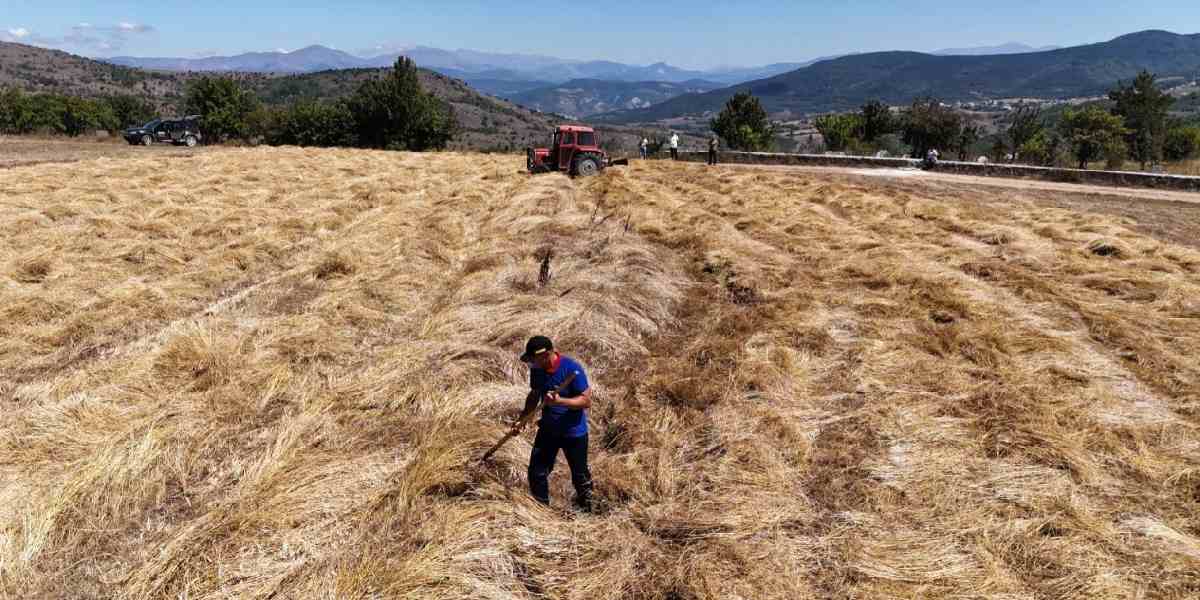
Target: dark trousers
x,y
541,461
674,153
712,157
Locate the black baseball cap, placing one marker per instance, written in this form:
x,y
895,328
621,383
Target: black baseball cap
x,y
535,346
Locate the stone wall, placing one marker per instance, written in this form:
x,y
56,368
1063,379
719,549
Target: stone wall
x,y
1109,178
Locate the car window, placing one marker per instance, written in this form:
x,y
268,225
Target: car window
x,y
587,138
568,138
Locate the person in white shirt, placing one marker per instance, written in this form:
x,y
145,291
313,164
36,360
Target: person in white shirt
x,y
674,146
642,147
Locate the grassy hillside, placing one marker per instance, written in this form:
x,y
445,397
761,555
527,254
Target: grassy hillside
x,y
268,373
486,123
36,69
585,97
899,77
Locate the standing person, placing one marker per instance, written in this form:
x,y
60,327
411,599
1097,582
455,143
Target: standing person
x,y
713,145
563,425
642,147
674,146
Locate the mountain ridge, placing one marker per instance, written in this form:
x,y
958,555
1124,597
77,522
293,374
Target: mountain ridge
x,y
529,67
898,77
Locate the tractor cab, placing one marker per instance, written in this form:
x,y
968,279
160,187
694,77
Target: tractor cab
x,y
573,149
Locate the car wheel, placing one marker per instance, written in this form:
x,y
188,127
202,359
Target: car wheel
x,y
190,141
147,140
586,166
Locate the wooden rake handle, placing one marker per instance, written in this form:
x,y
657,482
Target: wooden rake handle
x,y
525,418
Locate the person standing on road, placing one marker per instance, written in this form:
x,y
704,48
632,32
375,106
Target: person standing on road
x,y
645,143
674,146
713,145
563,425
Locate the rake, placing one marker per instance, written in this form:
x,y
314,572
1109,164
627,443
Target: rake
x,y
525,418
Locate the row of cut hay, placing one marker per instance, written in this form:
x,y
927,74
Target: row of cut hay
x,y
315,437
950,384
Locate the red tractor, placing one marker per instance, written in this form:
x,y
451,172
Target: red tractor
x,y
574,150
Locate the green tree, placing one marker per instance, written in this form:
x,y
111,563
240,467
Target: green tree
x,y
80,115
1144,108
225,108
312,123
929,125
395,113
15,111
131,111
1041,149
998,149
743,124
877,120
839,131
45,113
967,136
1093,133
1182,143
1025,125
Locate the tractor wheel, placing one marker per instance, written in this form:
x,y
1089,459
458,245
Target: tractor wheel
x,y
586,166
147,140
190,141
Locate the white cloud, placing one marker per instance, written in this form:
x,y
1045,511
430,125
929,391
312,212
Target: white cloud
x,y
19,32
101,38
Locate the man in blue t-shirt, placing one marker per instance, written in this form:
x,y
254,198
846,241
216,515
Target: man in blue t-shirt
x,y
561,385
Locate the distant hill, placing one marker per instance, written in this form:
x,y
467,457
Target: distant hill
x,y
899,77
585,97
471,66
35,69
304,60
1009,48
486,123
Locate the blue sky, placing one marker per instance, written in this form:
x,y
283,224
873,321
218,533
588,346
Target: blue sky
x,y
687,34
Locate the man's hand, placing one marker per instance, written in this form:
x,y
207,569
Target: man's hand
x,y
551,399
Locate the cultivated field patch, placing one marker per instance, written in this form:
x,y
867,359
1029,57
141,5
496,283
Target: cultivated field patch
x,y
274,382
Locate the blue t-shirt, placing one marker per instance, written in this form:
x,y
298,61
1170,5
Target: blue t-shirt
x,y
560,420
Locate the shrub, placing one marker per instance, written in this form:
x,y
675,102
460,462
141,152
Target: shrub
x,y
839,131
1182,143
312,123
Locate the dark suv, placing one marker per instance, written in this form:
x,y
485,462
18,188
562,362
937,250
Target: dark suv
x,y
185,131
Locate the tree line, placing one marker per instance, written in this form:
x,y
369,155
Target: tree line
x,y
22,113
393,112
1134,123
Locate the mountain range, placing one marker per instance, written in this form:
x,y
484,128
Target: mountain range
x,y
465,64
899,77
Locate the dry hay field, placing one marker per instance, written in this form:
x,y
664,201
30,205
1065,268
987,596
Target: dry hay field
x,y
267,373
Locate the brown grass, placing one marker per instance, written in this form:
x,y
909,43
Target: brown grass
x,y
273,383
